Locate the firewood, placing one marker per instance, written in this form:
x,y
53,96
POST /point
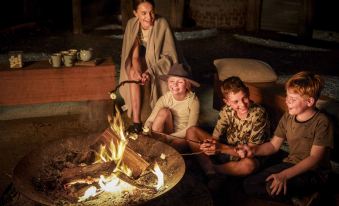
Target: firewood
x,y
130,158
70,186
82,172
130,181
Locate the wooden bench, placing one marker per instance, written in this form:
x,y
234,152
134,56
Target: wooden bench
x,y
39,82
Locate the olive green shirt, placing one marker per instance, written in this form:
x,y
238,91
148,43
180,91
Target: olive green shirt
x,y
301,136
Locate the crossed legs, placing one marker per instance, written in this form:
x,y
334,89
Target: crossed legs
x,y
236,168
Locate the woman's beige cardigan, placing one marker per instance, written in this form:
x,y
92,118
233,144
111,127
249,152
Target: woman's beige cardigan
x,y
160,56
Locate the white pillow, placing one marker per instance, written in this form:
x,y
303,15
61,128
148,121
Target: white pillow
x,y
248,70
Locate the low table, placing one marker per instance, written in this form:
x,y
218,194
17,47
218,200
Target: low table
x,y
39,82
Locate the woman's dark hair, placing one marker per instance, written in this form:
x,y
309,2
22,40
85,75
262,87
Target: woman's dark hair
x,y
137,2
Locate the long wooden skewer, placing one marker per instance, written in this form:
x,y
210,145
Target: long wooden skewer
x,y
168,135
124,82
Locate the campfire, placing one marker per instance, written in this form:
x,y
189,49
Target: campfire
x,y
102,169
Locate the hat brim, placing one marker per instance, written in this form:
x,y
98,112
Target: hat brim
x,y
165,77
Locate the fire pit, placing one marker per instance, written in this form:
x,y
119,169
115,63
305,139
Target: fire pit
x,y
38,175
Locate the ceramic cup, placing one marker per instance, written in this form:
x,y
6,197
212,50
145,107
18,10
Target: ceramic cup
x,y
74,53
64,53
55,60
85,54
68,60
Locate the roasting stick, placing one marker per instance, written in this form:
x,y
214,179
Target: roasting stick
x,y
124,82
168,135
184,154
197,153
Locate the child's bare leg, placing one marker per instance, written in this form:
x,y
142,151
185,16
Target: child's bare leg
x,y
198,135
163,122
237,168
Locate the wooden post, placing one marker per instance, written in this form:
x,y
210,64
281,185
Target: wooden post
x,y
176,13
306,19
126,11
253,15
76,11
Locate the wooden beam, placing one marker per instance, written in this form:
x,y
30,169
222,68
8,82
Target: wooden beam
x,y
77,20
306,20
176,13
253,15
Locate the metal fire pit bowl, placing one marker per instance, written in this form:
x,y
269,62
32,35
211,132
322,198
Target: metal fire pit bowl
x,y
32,164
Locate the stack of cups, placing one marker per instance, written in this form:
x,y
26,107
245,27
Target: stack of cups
x,y
68,58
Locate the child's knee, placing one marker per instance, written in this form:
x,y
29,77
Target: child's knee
x,y
249,166
164,113
191,133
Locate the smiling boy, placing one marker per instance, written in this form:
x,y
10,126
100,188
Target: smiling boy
x,y
309,135
240,122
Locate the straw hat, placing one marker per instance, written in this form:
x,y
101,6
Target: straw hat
x,y
179,70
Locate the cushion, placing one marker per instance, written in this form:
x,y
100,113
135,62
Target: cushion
x,y
331,108
248,70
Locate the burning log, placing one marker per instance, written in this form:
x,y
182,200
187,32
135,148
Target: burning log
x,y
73,175
90,180
130,181
133,160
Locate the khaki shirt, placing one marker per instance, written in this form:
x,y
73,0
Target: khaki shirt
x,y
253,129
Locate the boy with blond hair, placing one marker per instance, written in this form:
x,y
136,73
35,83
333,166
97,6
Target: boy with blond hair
x,y
309,135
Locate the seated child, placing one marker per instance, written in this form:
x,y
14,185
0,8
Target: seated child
x,y
176,110
309,135
241,121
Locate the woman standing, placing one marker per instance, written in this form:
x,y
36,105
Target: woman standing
x,y
148,51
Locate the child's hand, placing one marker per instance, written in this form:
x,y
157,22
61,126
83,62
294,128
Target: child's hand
x,y
244,150
278,183
241,152
208,146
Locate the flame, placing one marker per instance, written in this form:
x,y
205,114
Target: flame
x,y
90,192
115,185
114,152
117,125
160,176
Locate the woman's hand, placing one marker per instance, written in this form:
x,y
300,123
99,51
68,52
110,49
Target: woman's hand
x,y
145,77
209,146
278,183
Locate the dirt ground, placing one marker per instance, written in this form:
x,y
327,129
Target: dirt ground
x,y
19,136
